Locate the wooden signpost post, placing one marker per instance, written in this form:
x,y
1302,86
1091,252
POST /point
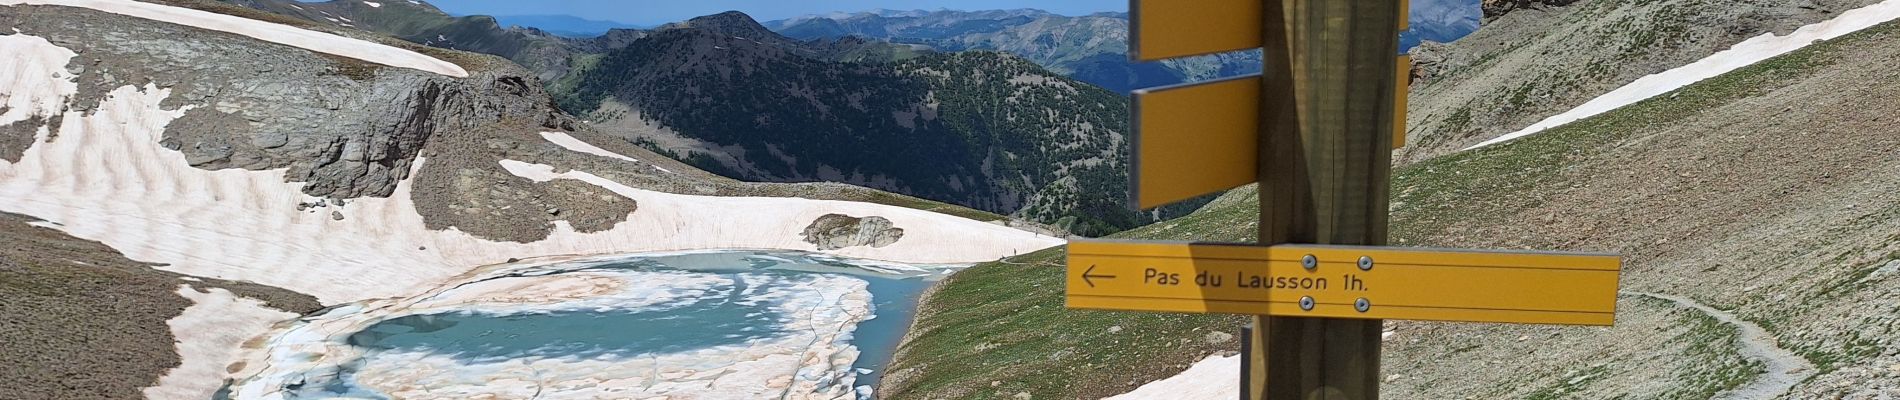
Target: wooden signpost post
x,y
1315,129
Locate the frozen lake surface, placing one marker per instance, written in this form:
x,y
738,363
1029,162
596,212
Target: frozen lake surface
x,y
718,324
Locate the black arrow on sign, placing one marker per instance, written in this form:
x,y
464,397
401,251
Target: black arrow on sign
x,y
1090,274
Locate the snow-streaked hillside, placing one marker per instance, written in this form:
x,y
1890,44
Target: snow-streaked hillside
x,y
107,178
244,225
1742,54
269,32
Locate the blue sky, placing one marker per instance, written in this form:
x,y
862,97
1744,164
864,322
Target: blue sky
x,y
653,12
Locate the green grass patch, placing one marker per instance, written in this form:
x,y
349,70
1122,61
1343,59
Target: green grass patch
x,y
1572,382
1712,363
1829,357
1005,322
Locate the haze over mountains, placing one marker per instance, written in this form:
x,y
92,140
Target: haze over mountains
x,y
564,25
1091,48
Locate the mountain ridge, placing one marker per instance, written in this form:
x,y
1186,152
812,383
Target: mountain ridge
x,y
1090,47
768,109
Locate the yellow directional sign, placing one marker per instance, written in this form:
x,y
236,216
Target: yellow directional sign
x,y
1174,28
1345,282
1200,138
1194,139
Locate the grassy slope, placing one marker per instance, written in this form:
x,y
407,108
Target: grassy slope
x,y
1002,322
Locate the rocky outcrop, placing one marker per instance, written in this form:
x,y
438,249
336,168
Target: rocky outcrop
x,y
837,231
345,127
17,136
1497,8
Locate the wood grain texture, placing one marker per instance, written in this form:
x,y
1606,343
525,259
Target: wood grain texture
x,y
1325,170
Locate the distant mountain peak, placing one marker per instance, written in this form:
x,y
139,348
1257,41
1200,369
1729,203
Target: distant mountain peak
x,y
732,23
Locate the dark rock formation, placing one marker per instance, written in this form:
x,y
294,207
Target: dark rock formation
x,y
346,127
837,231
16,137
1497,8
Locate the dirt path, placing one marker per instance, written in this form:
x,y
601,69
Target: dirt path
x,y
1784,369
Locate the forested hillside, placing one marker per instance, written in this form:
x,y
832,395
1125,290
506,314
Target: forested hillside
x,y
981,129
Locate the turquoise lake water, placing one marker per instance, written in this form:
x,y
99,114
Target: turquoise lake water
x,y
724,315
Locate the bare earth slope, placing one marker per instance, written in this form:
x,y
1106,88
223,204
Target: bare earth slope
x,y
1771,193
81,321
1531,63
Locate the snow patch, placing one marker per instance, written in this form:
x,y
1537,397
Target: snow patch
x,y
33,81
209,335
567,141
737,220
374,4
1212,378
1741,55
244,225
269,32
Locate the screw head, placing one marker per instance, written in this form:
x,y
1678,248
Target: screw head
x,y
1362,304
1306,303
1310,262
1365,263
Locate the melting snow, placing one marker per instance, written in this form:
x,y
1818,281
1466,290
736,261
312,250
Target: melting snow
x,y
1212,378
25,90
569,142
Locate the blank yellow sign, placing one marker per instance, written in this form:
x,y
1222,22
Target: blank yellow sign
x,y
1176,28
1417,284
1195,139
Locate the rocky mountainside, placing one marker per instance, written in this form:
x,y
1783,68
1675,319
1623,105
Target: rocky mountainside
x,y
546,54
551,56
981,129
1527,63
1091,48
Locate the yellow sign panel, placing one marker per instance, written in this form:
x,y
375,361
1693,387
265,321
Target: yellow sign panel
x,y
1194,139
1174,28
1405,16
1392,283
